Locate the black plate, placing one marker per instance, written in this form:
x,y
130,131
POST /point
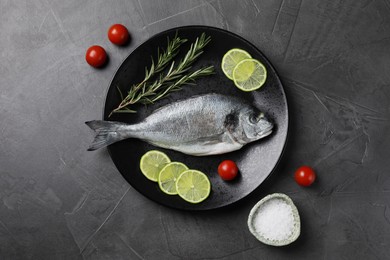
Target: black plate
x,y
255,161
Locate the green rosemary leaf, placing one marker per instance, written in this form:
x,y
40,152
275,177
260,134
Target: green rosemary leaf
x,y
120,92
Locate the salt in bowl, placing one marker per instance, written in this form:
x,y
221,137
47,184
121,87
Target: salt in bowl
x,y
275,220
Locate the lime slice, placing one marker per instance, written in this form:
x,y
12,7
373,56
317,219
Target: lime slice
x,y
152,163
231,59
168,176
249,75
193,186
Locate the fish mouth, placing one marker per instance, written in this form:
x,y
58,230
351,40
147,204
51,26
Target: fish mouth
x,y
265,133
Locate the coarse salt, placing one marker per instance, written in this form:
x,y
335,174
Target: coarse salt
x,y
274,220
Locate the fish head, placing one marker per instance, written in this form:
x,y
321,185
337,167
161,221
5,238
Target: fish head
x,y
255,125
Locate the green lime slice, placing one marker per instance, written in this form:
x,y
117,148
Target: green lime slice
x,y
249,75
168,176
152,163
193,186
231,59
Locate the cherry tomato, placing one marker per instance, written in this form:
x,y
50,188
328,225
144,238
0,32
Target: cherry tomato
x,y
227,170
118,34
305,176
96,56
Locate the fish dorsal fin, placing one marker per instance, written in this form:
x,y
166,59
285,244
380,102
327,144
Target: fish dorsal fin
x,y
178,102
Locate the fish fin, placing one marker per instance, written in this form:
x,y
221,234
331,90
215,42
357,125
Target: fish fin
x,y
106,133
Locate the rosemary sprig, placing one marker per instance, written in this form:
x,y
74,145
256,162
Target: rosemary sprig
x,y
159,91
148,93
163,60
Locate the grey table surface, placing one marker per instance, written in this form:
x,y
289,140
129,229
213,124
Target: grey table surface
x,y
60,202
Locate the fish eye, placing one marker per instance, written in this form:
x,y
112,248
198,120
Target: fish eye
x,y
253,119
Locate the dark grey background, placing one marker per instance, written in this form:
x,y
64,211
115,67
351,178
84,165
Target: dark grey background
x,y
60,202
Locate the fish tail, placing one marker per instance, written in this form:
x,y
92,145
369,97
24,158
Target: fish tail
x,y
106,133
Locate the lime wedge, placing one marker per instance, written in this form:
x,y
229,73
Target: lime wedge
x,y
231,59
152,163
193,186
249,75
168,176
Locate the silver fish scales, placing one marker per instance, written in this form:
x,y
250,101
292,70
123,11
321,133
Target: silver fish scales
x,y
202,125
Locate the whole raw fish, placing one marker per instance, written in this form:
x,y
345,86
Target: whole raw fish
x,y
202,125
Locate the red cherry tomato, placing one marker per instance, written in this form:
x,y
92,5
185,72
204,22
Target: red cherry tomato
x,y
118,34
227,170
305,176
96,56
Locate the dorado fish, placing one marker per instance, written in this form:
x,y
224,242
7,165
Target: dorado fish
x,y
202,125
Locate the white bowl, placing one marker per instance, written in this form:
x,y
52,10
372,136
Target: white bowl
x,y
297,222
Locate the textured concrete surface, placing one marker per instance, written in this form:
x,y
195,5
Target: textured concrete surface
x,y
58,201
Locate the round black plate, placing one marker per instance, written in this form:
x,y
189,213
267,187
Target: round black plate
x,y
255,161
